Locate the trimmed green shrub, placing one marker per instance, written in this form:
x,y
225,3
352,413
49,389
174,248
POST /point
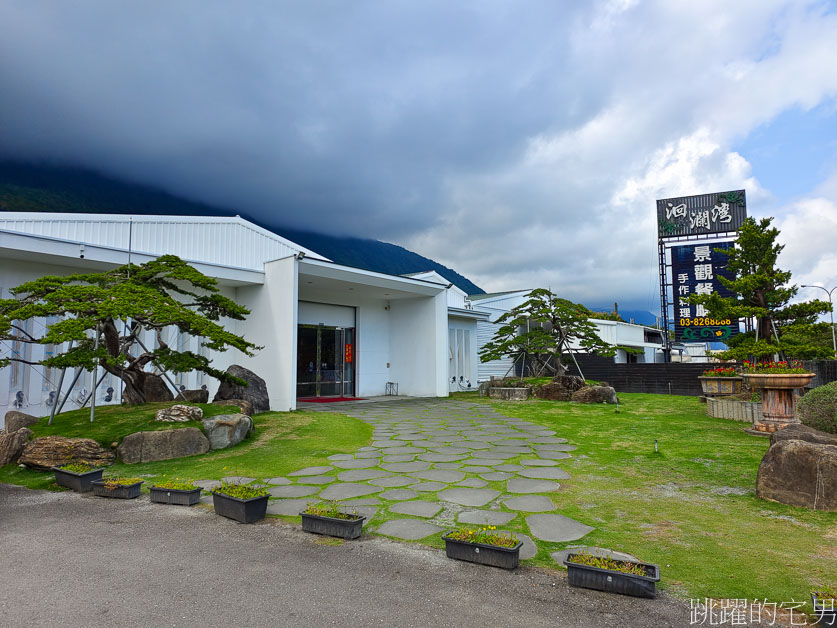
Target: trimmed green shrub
x,y
818,408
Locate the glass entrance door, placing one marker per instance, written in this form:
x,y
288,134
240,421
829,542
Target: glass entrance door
x,y
325,361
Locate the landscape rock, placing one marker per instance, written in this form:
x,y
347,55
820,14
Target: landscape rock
x,y
226,430
200,395
11,444
483,388
156,389
16,420
594,394
242,404
162,445
255,392
179,413
561,388
799,473
797,431
46,452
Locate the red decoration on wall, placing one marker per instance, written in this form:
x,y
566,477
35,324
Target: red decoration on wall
x,y
349,353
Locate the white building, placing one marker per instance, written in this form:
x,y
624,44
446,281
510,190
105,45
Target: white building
x,y
646,340
326,329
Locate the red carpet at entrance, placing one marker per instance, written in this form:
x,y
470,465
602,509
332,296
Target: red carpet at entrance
x,y
328,399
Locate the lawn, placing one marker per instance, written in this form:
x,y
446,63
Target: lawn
x,y
283,442
690,507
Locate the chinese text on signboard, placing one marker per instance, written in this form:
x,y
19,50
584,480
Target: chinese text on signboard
x,y
719,212
695,270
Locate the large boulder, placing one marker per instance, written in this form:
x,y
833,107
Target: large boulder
x,y
797,431
595,394
46,452
226,430
155,389
799,473
11,444
200,395
561,388
162,445
245,406
179,413
255,391
16,420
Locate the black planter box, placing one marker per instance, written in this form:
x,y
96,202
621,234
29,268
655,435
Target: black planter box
x,y
332,526
614,581
175,496
503,557
79,482
125,491
242,510
826,613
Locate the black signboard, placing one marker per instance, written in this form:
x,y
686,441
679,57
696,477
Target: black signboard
x,y
695,270
719,212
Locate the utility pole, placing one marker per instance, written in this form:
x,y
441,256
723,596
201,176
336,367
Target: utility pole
x,y
833,337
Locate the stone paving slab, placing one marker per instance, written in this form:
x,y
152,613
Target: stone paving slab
x,y
486,517
317,479
406,467
476,469
376,453
363,501
278,480
363,463
417,508
348,490
496,476
556,528
472,483
400,458
442,457
392,482
468,496
530,503
440,475
525,485
447,465
238,479
399,494
341,457
538,463
408,529
210,484
528,549
289,507
544,474
311,471
294,490
428,487
356,475
553,455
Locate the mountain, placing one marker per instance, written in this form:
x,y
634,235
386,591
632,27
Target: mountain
x,y
49,188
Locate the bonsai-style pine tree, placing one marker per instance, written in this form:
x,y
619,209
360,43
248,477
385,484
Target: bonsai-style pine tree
x,y
117,306
543,329
763,292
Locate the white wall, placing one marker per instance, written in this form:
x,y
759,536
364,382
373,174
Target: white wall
x,y
272,324
418,346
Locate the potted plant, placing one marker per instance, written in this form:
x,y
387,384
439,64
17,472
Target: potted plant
x,y
613,576
245,504
120,488
779,381
720,382
825,606
330,520
484,546
175,492
78,476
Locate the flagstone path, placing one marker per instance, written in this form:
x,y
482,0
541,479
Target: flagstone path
x,y
434,463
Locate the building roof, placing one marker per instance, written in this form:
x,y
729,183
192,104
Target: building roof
x,y
491,295
226,241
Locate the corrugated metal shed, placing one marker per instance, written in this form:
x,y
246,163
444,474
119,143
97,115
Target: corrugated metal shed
x,y
216,240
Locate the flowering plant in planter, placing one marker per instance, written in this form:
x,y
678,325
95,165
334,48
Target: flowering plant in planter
x,y
484,546
78,476
330,509
825,606
241,502
773,368
329,519
175,492
77,467
720,372
121,488
602,562
614,576
241,491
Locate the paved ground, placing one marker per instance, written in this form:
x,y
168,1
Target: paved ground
x,y
435,463
74,560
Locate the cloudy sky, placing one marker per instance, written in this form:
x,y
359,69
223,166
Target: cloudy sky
x,y
521,143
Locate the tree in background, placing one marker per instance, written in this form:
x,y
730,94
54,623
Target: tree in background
x,y
543,329
102,317
764,294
